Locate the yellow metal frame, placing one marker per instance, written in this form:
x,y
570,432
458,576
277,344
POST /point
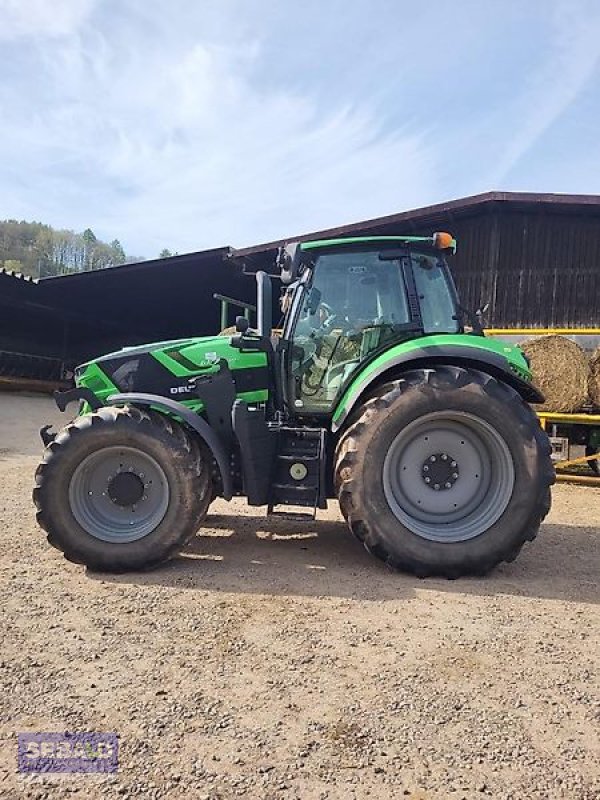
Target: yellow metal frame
x,y
579,419
546,417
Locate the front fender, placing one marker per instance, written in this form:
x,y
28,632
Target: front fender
x,y
504,362
197,423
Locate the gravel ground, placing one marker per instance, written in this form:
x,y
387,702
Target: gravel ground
x,y
274,660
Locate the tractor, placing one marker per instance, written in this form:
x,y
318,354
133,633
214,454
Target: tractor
x,y
377,389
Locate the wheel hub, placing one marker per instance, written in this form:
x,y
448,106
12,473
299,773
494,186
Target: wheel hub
x,y
478,467
119,494
440,471
125,488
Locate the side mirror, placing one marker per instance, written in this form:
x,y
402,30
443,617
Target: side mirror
x,y
241,324
287,261
292,260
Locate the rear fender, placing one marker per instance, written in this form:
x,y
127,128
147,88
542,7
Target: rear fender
x,y
385,369
196,422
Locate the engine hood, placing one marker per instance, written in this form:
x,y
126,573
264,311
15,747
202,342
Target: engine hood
x,y
166,368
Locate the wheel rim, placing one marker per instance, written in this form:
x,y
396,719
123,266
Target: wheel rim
x,y
448,476
119,494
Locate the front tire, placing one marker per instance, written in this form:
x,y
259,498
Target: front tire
x,y
444,472
122,489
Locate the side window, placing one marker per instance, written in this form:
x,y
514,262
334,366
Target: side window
x,y
435,296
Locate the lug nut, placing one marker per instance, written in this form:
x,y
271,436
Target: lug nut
x,y
455,475
453,464
444,457
436,486
432,458
425,468
427,480
448,485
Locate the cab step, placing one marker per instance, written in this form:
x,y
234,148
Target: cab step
x,y
291,516
299,470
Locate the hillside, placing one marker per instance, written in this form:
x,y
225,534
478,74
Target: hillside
x,y
39,250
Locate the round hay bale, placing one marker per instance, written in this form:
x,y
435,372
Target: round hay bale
x,y
560,370
594,379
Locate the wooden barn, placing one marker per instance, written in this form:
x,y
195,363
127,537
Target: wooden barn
x,y
535,258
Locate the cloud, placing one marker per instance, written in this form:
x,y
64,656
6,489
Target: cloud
x,y
233,123
571,58
42,18
170,142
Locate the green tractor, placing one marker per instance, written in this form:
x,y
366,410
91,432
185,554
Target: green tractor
x,y
372,392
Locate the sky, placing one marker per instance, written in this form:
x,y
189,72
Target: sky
x,y
190,124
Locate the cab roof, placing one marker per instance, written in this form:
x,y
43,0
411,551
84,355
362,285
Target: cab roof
x,y
350,240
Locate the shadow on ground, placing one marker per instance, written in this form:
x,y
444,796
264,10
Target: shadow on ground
x,y
276,557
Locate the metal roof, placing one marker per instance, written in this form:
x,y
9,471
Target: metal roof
x,y
121,269
18,275
440,211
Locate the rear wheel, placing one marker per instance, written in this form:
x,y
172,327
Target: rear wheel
x,y
122,489
444,472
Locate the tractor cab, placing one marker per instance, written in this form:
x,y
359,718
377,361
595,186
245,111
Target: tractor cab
x,y
349,299
344,302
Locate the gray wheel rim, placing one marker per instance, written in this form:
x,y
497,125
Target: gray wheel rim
x,y
470,470
137,481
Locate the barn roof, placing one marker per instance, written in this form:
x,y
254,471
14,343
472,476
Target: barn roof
x,y
443,212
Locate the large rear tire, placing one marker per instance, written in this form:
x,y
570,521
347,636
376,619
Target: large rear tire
x,y
444,472
122,489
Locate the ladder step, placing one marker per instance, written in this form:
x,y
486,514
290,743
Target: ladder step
x,y
298,446
291,516
300,457
291,487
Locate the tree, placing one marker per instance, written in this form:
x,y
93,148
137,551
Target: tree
x,y
166,253
89,248
118,252
42,251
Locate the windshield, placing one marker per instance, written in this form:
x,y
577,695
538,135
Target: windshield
x,y
357,303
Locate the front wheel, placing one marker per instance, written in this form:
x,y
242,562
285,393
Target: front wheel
x,y
122,489
444,472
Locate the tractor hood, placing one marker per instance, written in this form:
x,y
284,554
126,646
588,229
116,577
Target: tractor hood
x,y
166,368
128,352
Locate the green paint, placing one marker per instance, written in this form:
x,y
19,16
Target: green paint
x,y
199,356
204,353
515,359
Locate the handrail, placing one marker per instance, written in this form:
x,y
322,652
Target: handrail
x,y
231,301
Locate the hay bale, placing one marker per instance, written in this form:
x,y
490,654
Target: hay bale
x,y
560,370
594,378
